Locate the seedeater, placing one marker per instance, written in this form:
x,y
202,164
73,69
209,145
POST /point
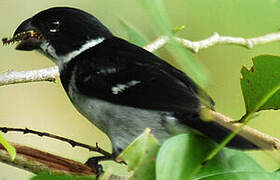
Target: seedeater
x,y
119,87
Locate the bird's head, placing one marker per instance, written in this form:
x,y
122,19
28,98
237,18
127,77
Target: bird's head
x,y
60,32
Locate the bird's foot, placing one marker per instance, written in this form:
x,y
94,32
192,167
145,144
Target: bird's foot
x,y
93,163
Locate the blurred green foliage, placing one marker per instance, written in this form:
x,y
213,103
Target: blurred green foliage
x,y
45,176
140,156
133,35
11,150
182,156
180,55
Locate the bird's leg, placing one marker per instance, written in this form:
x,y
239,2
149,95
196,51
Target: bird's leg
x,y
93,163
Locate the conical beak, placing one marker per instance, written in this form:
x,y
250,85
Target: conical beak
x,y
28,35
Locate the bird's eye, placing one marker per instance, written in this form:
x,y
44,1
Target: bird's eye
x,y
54,26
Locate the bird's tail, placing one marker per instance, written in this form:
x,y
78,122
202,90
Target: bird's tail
x,y
216,132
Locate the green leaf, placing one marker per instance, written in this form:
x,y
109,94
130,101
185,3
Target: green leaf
x,y
233,165
46,176
246,175
140,156
261,84
11,150
180,157
133,36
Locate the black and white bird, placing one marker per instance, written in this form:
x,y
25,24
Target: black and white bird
x,y
119,87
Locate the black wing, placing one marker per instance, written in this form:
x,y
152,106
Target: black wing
x,y
122,73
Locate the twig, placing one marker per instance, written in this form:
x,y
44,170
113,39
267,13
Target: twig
x,y
260,139
37,161
70,141
157,44
49,74
215,39
13,77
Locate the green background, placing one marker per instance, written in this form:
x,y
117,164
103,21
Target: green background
x,y
44,106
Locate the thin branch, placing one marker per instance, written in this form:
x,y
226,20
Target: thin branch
x,y
37,161
262,140
14,77
70,141
157,44
49,74
216,39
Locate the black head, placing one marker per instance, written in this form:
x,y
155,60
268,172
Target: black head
x,y
65,29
